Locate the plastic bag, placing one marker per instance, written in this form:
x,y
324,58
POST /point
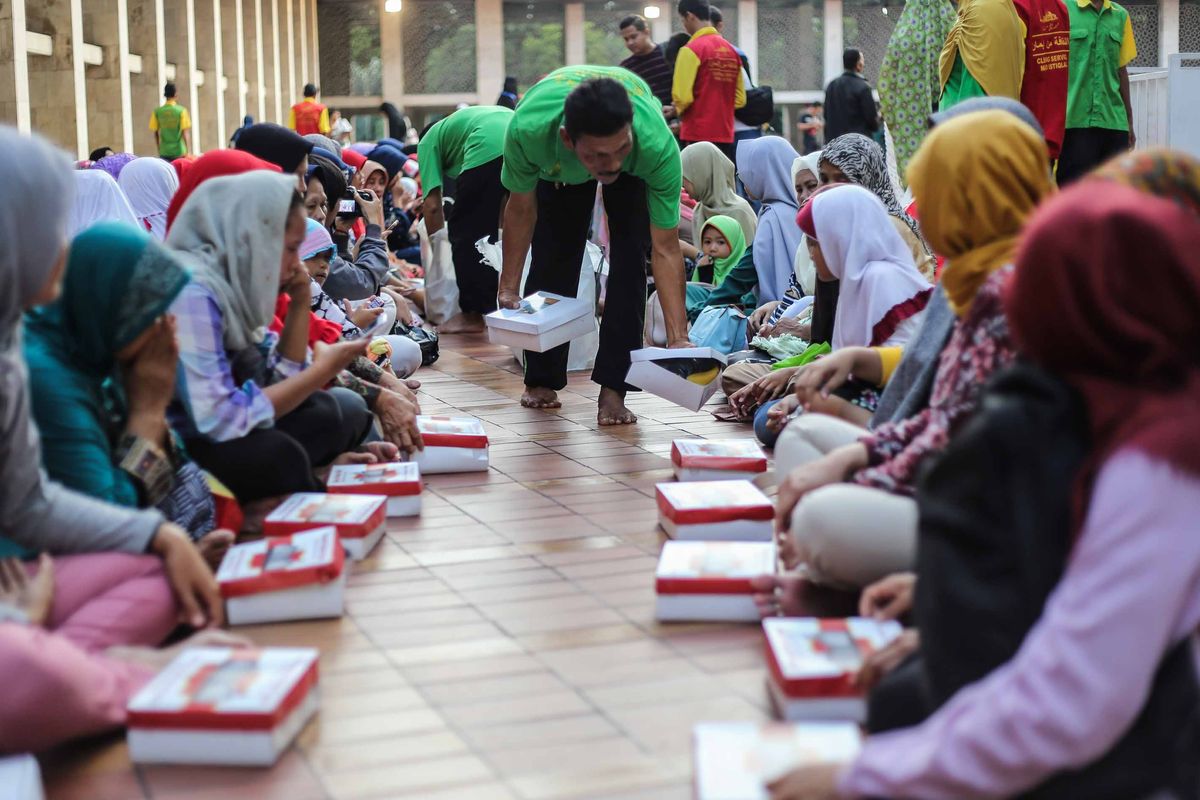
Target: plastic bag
x,y
723,328
441,284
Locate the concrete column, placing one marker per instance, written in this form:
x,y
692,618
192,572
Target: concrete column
x,y
256,75
145,86
489,49
747,24
276,108
314,48
573,33
208,63
58,107
1168,29
833,39
239,53
302,35
14,69
293,82
660,28
233,99
391,49
107,91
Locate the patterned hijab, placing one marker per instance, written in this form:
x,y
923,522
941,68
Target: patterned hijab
x,y
863,162
909,83
1169,174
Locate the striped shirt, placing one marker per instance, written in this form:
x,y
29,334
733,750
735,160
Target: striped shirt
x,y
652,68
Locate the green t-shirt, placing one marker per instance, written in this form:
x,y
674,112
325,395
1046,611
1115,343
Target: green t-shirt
x,y
961,85
534,150
1101,43
170,120
468,138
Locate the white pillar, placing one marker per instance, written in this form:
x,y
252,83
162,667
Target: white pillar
x,y
660,28
241,59
573,33
259,66
291,56
833,39
1168,29
160,35
316,42
81,120
489,49
275,50
391,50
192,84
123,71
304,74
747,22
20,66
220,84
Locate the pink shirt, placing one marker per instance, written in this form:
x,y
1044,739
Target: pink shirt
x,y
1130,592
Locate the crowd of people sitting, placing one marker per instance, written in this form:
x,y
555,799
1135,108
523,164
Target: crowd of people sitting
x,y
982,402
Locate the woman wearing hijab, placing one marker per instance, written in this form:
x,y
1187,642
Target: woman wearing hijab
x,y
247,121
909,81
98,198
984,53
213,165
64,657
102,370
113,164
976,179
249,409
708,179
1084,309
766,169
280,146
853,158
149,184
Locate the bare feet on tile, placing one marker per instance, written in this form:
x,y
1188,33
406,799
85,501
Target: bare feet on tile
x,y
540,397
612,410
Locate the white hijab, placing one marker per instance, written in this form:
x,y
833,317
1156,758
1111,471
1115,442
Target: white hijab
x,y
865,252
229,234
149,184
98,198
806,272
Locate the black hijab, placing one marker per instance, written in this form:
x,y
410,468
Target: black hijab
x,y
276,144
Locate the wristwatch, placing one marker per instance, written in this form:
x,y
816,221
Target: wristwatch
x,y
148,465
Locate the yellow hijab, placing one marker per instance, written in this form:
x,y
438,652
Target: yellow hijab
x,y
990,37
976,179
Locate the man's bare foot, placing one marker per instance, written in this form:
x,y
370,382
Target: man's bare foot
x,y
540,397
466,322
157,658
214,545
612,410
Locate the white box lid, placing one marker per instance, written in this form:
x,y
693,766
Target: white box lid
x,y
539,313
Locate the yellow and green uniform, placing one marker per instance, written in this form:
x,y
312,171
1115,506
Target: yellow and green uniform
x,y
1101,43
170,120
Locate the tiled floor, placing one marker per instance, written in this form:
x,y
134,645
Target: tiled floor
x,y
503,644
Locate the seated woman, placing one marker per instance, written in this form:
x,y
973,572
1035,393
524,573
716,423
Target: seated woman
x,y
149,184
97,198
102,364
708,179
1087,308
976,179
765,166
121,578
249,407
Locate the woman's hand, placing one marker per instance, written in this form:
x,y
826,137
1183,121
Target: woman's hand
x,y
888,598
372,206
770,386
150,378
33,595
880,663
190,578
810,782
788,325
401,387
777,417
363,317
833,468
299,289
398,418
761,314
403,311
330,359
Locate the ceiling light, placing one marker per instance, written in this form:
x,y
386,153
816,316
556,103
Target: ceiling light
x,y
392,6
651,12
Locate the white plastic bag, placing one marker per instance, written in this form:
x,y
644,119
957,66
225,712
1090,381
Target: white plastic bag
x,y
441,285
582,353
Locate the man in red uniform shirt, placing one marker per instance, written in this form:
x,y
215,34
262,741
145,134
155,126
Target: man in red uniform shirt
x,y
1047,54
309,116
708,81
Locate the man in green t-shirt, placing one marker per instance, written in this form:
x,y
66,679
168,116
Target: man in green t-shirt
x,y
468,146
579,126
171,123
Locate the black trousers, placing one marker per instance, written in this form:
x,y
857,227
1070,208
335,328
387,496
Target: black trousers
x,y
477,200
1084,149
559,239
268,462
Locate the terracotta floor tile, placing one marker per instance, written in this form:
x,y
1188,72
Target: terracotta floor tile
x,y
578,637
526,684
388,636
576,620
483,713
458,651
333,758
592,782
387,781
439,672
368,727
614,752
290,777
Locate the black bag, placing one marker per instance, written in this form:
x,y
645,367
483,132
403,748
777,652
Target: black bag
x,y
428,340
760,104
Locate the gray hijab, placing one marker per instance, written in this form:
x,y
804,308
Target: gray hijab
x,y
229,234
1014,107
765,165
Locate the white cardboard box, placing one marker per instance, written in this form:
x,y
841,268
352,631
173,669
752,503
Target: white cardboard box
x,y
452,444
715,511
710,581
20,778
735,760
222,705
399,481
651,377
717,459
281,578
812,663
544,321
360,519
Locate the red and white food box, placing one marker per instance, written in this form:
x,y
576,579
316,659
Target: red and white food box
x,y
280,578
359,518
715,511
812,663
224,705
544,321
399,481
710,581
452,444
735,760
21,778
717,459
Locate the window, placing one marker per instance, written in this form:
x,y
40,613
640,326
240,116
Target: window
x,y
533,41
351,62
790,44
867,26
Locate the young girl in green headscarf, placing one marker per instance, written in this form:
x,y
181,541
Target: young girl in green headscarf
x,y
723,244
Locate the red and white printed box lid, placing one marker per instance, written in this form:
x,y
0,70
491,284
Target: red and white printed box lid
x,y
712,567
737,759
811,657
276,563
226,688
742,455
354,515
698,502
390,478
465,432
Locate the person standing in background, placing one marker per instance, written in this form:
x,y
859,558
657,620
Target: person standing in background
x,y
340,128
849,103
309,116
171,123
741,131
508,96
646,60
1047,54
708,85
809,125
984,53
1099,112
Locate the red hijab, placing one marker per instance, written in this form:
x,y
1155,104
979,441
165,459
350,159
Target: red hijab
x,y
213,165
1106,295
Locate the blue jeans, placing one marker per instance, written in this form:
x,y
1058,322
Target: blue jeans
x,y
767,437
